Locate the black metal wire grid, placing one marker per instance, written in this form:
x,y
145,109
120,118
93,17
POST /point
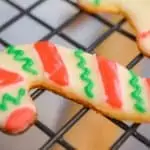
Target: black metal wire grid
x,y
130,130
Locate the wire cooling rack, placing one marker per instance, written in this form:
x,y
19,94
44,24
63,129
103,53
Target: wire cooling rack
x,y
58,136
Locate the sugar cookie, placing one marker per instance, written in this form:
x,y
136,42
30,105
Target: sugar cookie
x,y
88,79
136,11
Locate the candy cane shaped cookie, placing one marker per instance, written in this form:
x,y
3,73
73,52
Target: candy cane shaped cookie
x,y
136,11
91,80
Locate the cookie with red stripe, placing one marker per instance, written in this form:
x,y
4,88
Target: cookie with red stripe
x,y
91,80
17,111
135,11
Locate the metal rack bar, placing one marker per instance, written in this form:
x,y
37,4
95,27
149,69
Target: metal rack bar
x,y
50,133
124,137
65,128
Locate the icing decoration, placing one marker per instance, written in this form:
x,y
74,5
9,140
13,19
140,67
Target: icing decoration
x,y
19,119
96,2
52,62
111,81
144,34
8,78
106,86
85,73
137,92
9,98
148,82
19,56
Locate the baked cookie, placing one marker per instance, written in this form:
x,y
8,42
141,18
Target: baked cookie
x,y
88,79
136,11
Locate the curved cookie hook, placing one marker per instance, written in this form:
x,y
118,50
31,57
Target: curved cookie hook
x,y
137,12
91,80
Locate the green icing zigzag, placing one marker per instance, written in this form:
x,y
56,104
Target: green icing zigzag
x,y
136,94
96,2
85,73
9,98
18,55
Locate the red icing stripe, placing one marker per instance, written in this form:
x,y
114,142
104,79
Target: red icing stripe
x,y
147,84
52,62
144,34
19,120
110,80
8,78
148,81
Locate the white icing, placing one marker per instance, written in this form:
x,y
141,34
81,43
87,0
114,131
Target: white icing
x,y
76,85
147,93
99,86
144,94
126,89
10,64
